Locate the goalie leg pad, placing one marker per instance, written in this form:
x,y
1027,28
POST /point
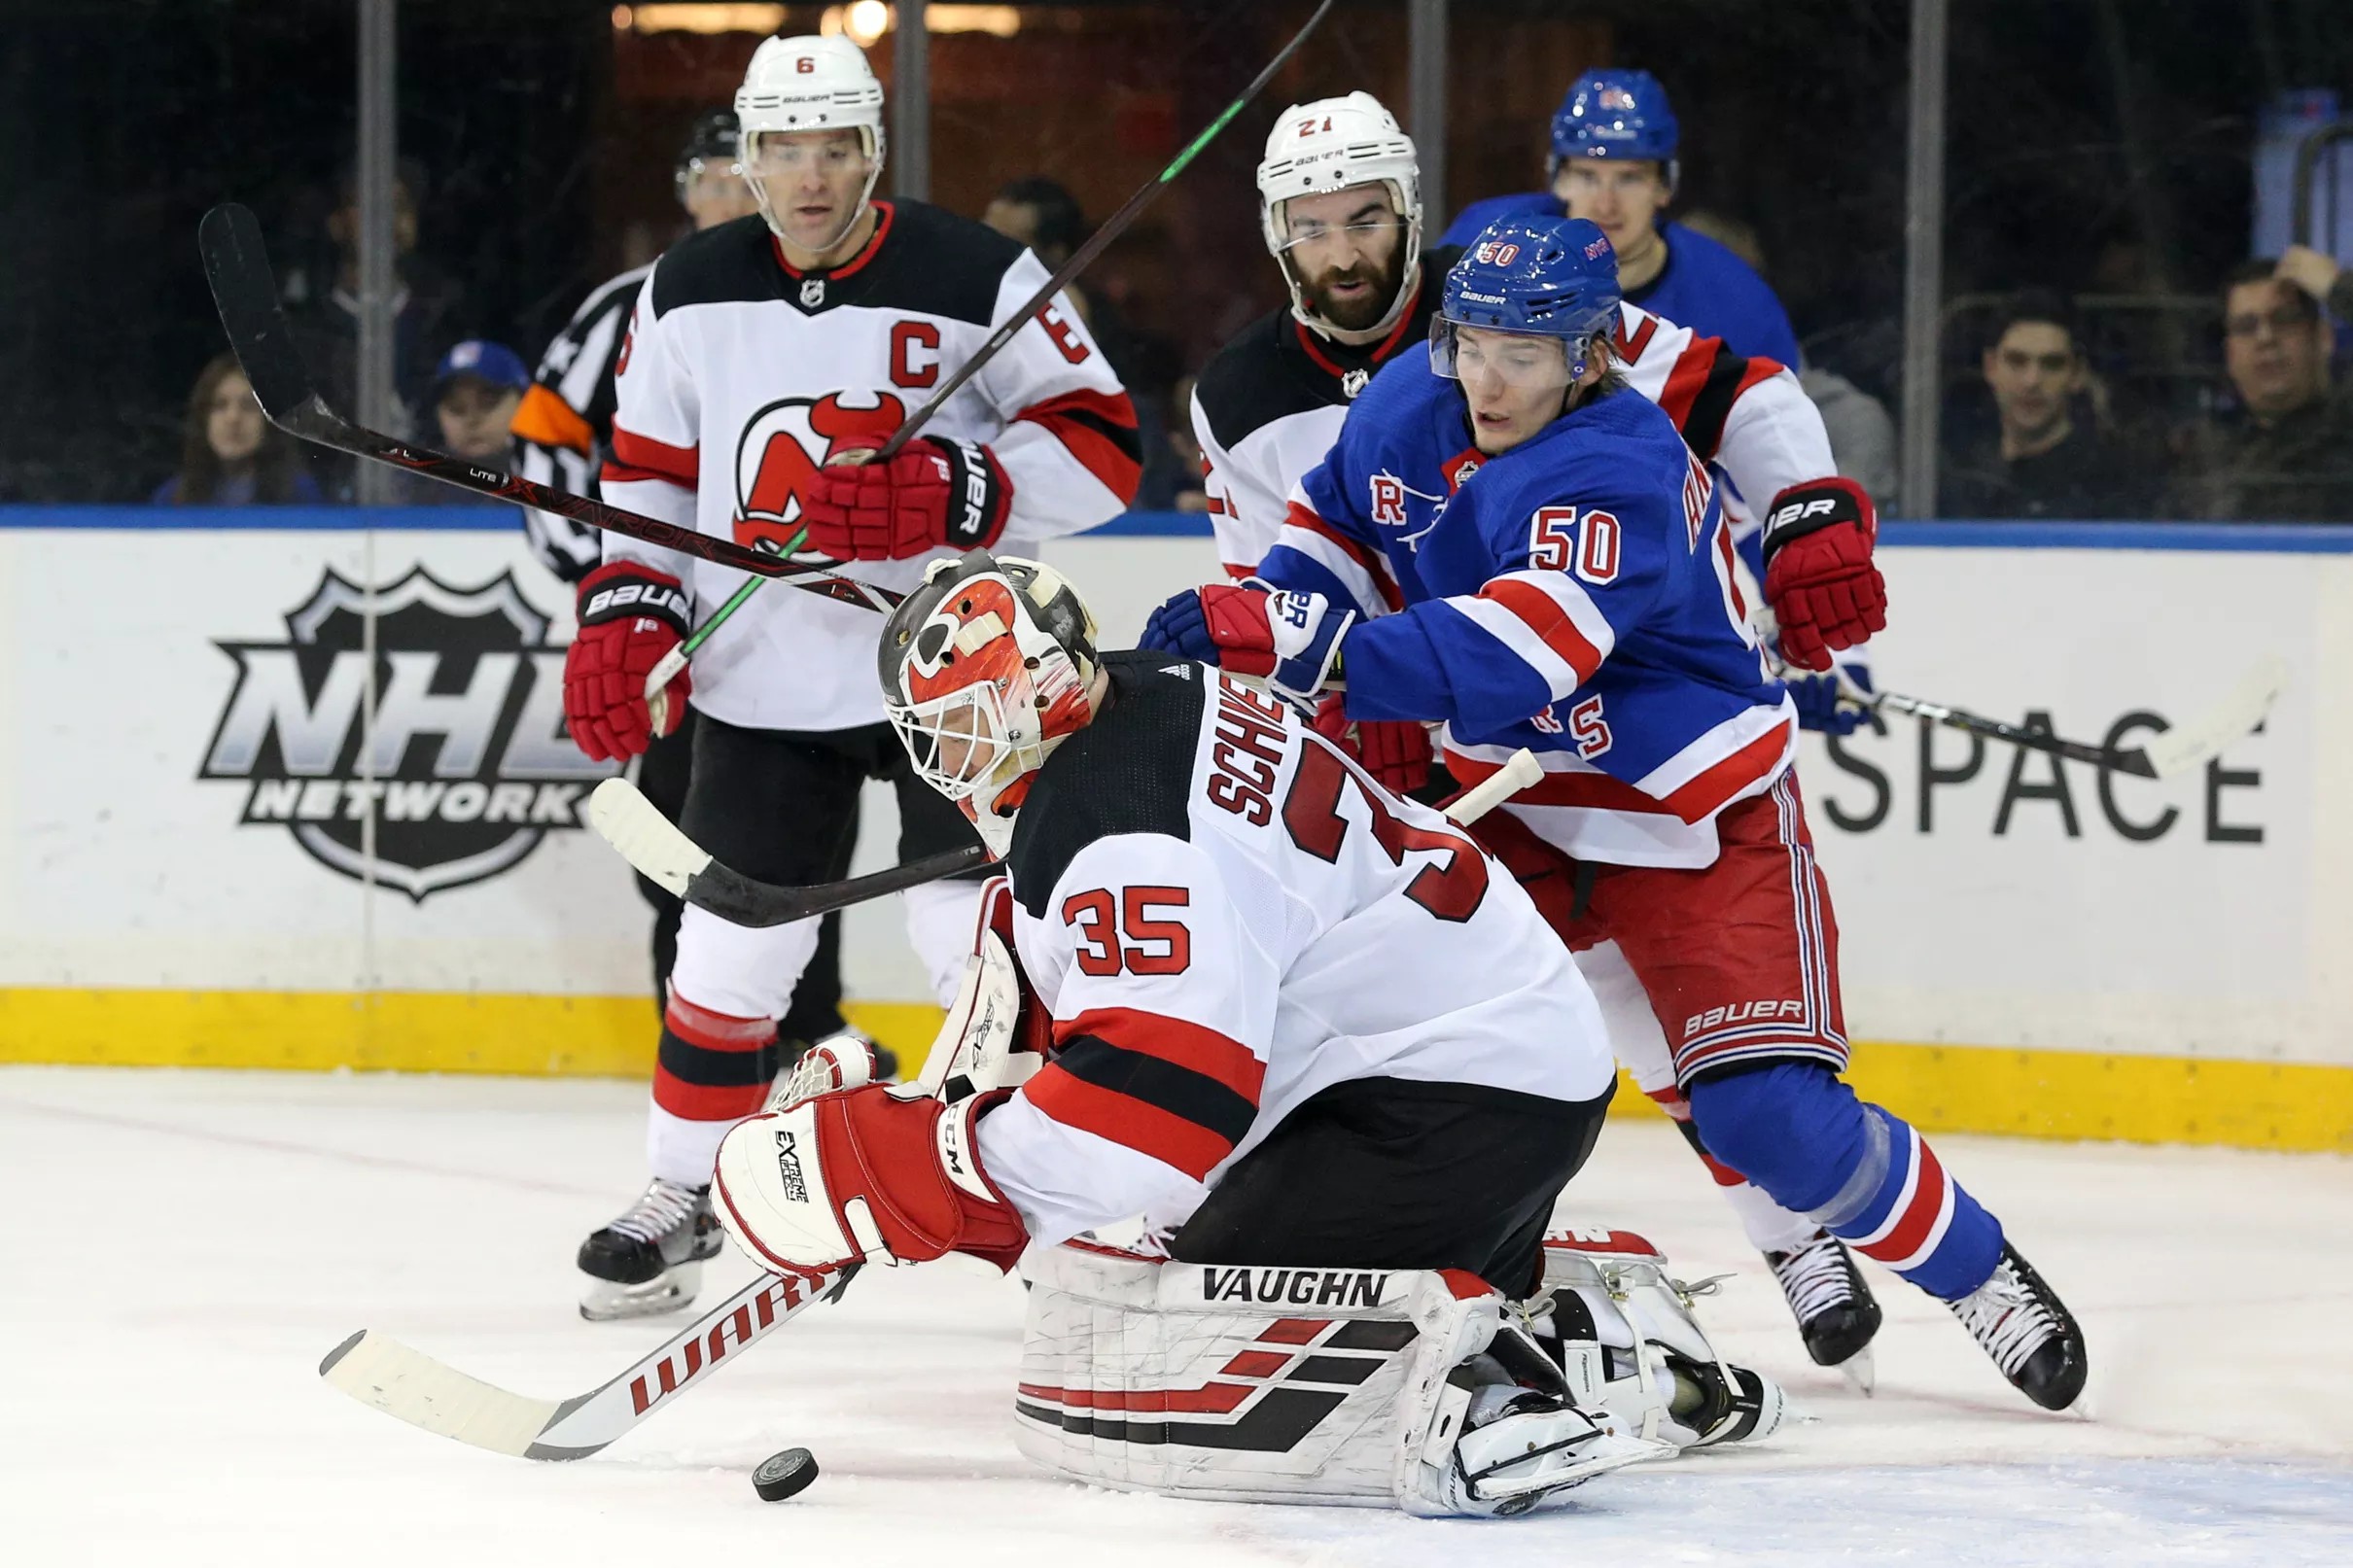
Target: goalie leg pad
x,y
1609,1305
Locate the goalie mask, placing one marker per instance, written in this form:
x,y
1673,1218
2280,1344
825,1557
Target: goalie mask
x,y
1335,144
985,669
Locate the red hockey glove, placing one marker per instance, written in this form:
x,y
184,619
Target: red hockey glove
x,y
1289,640
864,1176
1394,751
1818,575
630,616
932,493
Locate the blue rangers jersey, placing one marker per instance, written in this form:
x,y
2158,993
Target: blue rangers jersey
x,y
1705,287
1575,596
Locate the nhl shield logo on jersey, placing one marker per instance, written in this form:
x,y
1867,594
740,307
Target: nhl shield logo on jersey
x,y
782,446
1355,382
813,293
469,768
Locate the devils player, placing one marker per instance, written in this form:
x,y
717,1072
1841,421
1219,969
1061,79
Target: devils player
x,y
1289,1019
1340,207
1506,542
766,358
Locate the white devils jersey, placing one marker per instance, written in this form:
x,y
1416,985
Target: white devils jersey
x,y
1224,916
1746,418
741,375
1269,406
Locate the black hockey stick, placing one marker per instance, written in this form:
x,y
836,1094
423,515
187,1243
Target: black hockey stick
x,y
626,820
237,267
2173,750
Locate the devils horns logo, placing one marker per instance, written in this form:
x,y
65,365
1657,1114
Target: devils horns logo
x,y
782,447
466,766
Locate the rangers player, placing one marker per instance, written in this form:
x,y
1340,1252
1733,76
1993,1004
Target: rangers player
x,y
1340,207
1288,1019
1505,542
1614,160
765,359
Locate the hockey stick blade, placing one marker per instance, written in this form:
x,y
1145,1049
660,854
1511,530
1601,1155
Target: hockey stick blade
x,y
2193,745
385,1374
236,266
650,842
633,824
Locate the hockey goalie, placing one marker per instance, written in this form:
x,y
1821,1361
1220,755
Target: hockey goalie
x,y
1304,1028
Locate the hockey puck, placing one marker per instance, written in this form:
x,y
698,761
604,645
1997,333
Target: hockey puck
x,y
784,1475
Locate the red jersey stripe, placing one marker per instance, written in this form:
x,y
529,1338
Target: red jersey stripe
x,y
677,464
1690,375
1549,621
1707,794
1173,1040
1302,516
1128,1122
1078,419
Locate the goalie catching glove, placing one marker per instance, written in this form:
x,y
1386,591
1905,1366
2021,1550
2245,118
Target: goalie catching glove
x,y
1290,641
1818,573
630,615
929,494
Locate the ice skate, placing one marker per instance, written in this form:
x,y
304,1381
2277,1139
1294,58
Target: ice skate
x,y
649,1259
1836,1314
2027,1330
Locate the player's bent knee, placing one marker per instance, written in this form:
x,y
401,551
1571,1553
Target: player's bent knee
x,y
1792,1127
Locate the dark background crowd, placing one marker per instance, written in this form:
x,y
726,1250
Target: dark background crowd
x,y
2120,337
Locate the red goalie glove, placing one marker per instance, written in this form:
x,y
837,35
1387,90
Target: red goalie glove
x,y
932,493
1818,573
630,616
864,1176
1394,751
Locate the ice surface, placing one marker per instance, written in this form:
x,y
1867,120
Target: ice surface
x,y
183,1247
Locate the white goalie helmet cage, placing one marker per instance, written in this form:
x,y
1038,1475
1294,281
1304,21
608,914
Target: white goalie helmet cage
x,y
804,83
1331,144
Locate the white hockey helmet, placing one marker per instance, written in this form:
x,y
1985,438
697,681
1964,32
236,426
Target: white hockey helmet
x,y
1330,145
809,83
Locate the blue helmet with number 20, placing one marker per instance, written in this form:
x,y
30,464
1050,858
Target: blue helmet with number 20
x,y
1542,277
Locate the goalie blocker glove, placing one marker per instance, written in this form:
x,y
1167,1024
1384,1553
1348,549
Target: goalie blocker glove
x,y
877,1174
1818,573
630,615
931,494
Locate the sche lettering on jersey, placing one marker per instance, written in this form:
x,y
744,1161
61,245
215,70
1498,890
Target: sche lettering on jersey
x,y
1247,755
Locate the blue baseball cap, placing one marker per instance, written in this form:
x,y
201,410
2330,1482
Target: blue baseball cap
x,y
485,361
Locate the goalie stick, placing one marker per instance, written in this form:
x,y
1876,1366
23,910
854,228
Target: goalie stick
x,y
2174,750
237,267
385,1374
662,854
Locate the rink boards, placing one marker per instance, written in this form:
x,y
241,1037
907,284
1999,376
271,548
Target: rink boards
x,y
205,864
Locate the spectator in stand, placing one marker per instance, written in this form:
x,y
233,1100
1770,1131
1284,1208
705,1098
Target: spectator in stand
x,y
1187,490
475,391
2042,460
230,455
324,313
2329,283
2286,452
1614,145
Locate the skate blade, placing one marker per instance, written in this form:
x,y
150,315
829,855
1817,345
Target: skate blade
x,y
1605,1454
1861,1373
604,1302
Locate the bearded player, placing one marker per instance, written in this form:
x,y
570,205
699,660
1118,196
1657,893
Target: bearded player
x,y
1507,542
1340,207
766,359
1288,1019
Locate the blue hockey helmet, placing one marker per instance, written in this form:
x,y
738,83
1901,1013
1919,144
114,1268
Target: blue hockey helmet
x,y
1618,114
1538,277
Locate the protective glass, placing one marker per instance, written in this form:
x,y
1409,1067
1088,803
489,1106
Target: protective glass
x,y
1524,361
785,156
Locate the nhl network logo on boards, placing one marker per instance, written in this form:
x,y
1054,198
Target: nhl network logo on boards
x,y
469,767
